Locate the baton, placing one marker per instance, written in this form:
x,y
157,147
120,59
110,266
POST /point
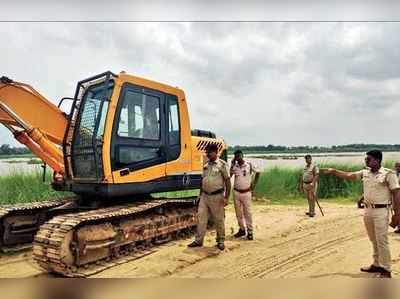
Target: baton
x,y
316,200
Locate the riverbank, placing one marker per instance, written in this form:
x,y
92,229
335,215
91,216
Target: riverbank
x,y
277,185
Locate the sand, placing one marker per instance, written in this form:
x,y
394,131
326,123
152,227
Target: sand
x,y
287,244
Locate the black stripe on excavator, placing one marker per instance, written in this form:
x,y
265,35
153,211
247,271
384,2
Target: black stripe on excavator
x,y
5,80
165,184
203,133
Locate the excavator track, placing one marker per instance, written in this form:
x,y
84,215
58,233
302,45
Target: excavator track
x,y
81,244
20,222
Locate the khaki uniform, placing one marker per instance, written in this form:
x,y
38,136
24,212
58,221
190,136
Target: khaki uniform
x,y
310,191
398,177
213,180
377,190
243,176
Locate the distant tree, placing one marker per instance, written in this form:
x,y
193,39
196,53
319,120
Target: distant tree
x,y
6,149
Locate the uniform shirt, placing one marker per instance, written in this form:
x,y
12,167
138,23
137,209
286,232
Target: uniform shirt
x,y
214,175
378,186
243,175
309,172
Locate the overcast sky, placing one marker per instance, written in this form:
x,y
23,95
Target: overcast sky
x,y
251,83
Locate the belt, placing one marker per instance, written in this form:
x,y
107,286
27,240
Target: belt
x,y
377,206
242,191
214,192
307,182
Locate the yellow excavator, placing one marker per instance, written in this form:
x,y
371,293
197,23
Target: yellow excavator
x,y
124,138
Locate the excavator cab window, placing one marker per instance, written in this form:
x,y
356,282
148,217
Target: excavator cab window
x,y
140,116
88,135
139,129
146,129
174,136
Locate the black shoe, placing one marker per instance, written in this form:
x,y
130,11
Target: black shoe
x,y
372,269
195,244
240,233
250,236
221,246
385,274
397,230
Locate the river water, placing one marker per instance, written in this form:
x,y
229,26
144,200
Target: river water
x,y
7,168
322,158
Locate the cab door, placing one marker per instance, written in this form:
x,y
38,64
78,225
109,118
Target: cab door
x,y
138,151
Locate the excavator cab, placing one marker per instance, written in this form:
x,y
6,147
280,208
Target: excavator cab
x,y
128,135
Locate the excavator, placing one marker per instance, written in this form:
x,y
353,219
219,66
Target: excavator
x,y
123,139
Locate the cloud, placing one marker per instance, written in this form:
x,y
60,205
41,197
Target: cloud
x,y
252,83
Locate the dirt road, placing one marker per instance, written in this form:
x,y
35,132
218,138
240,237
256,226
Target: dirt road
x,y
287,244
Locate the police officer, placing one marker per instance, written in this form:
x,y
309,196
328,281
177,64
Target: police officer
x,y
243,172
309,184
380,187
397,170
214,196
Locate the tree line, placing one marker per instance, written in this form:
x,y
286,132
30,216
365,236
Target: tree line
x,y
6,149
360,147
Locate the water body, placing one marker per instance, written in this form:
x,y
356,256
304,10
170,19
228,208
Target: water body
x,y
7,168
320,158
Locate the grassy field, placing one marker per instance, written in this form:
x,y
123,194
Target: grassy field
x,y
281,185
276,186
23,187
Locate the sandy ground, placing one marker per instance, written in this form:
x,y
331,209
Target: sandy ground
x,y
287,244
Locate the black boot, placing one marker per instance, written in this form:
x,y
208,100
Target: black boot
x,y
195,244
250,236
240,233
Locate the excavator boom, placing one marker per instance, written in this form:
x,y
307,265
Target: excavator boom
x,y
34,121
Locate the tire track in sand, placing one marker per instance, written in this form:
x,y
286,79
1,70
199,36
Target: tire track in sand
x,y
295,251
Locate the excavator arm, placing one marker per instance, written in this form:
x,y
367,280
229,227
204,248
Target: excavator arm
x,y
34,121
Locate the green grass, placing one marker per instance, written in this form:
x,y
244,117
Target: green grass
x,y
280,185
276,186
24,187
177,194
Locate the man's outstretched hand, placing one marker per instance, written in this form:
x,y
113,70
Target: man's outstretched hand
x,y
326,170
